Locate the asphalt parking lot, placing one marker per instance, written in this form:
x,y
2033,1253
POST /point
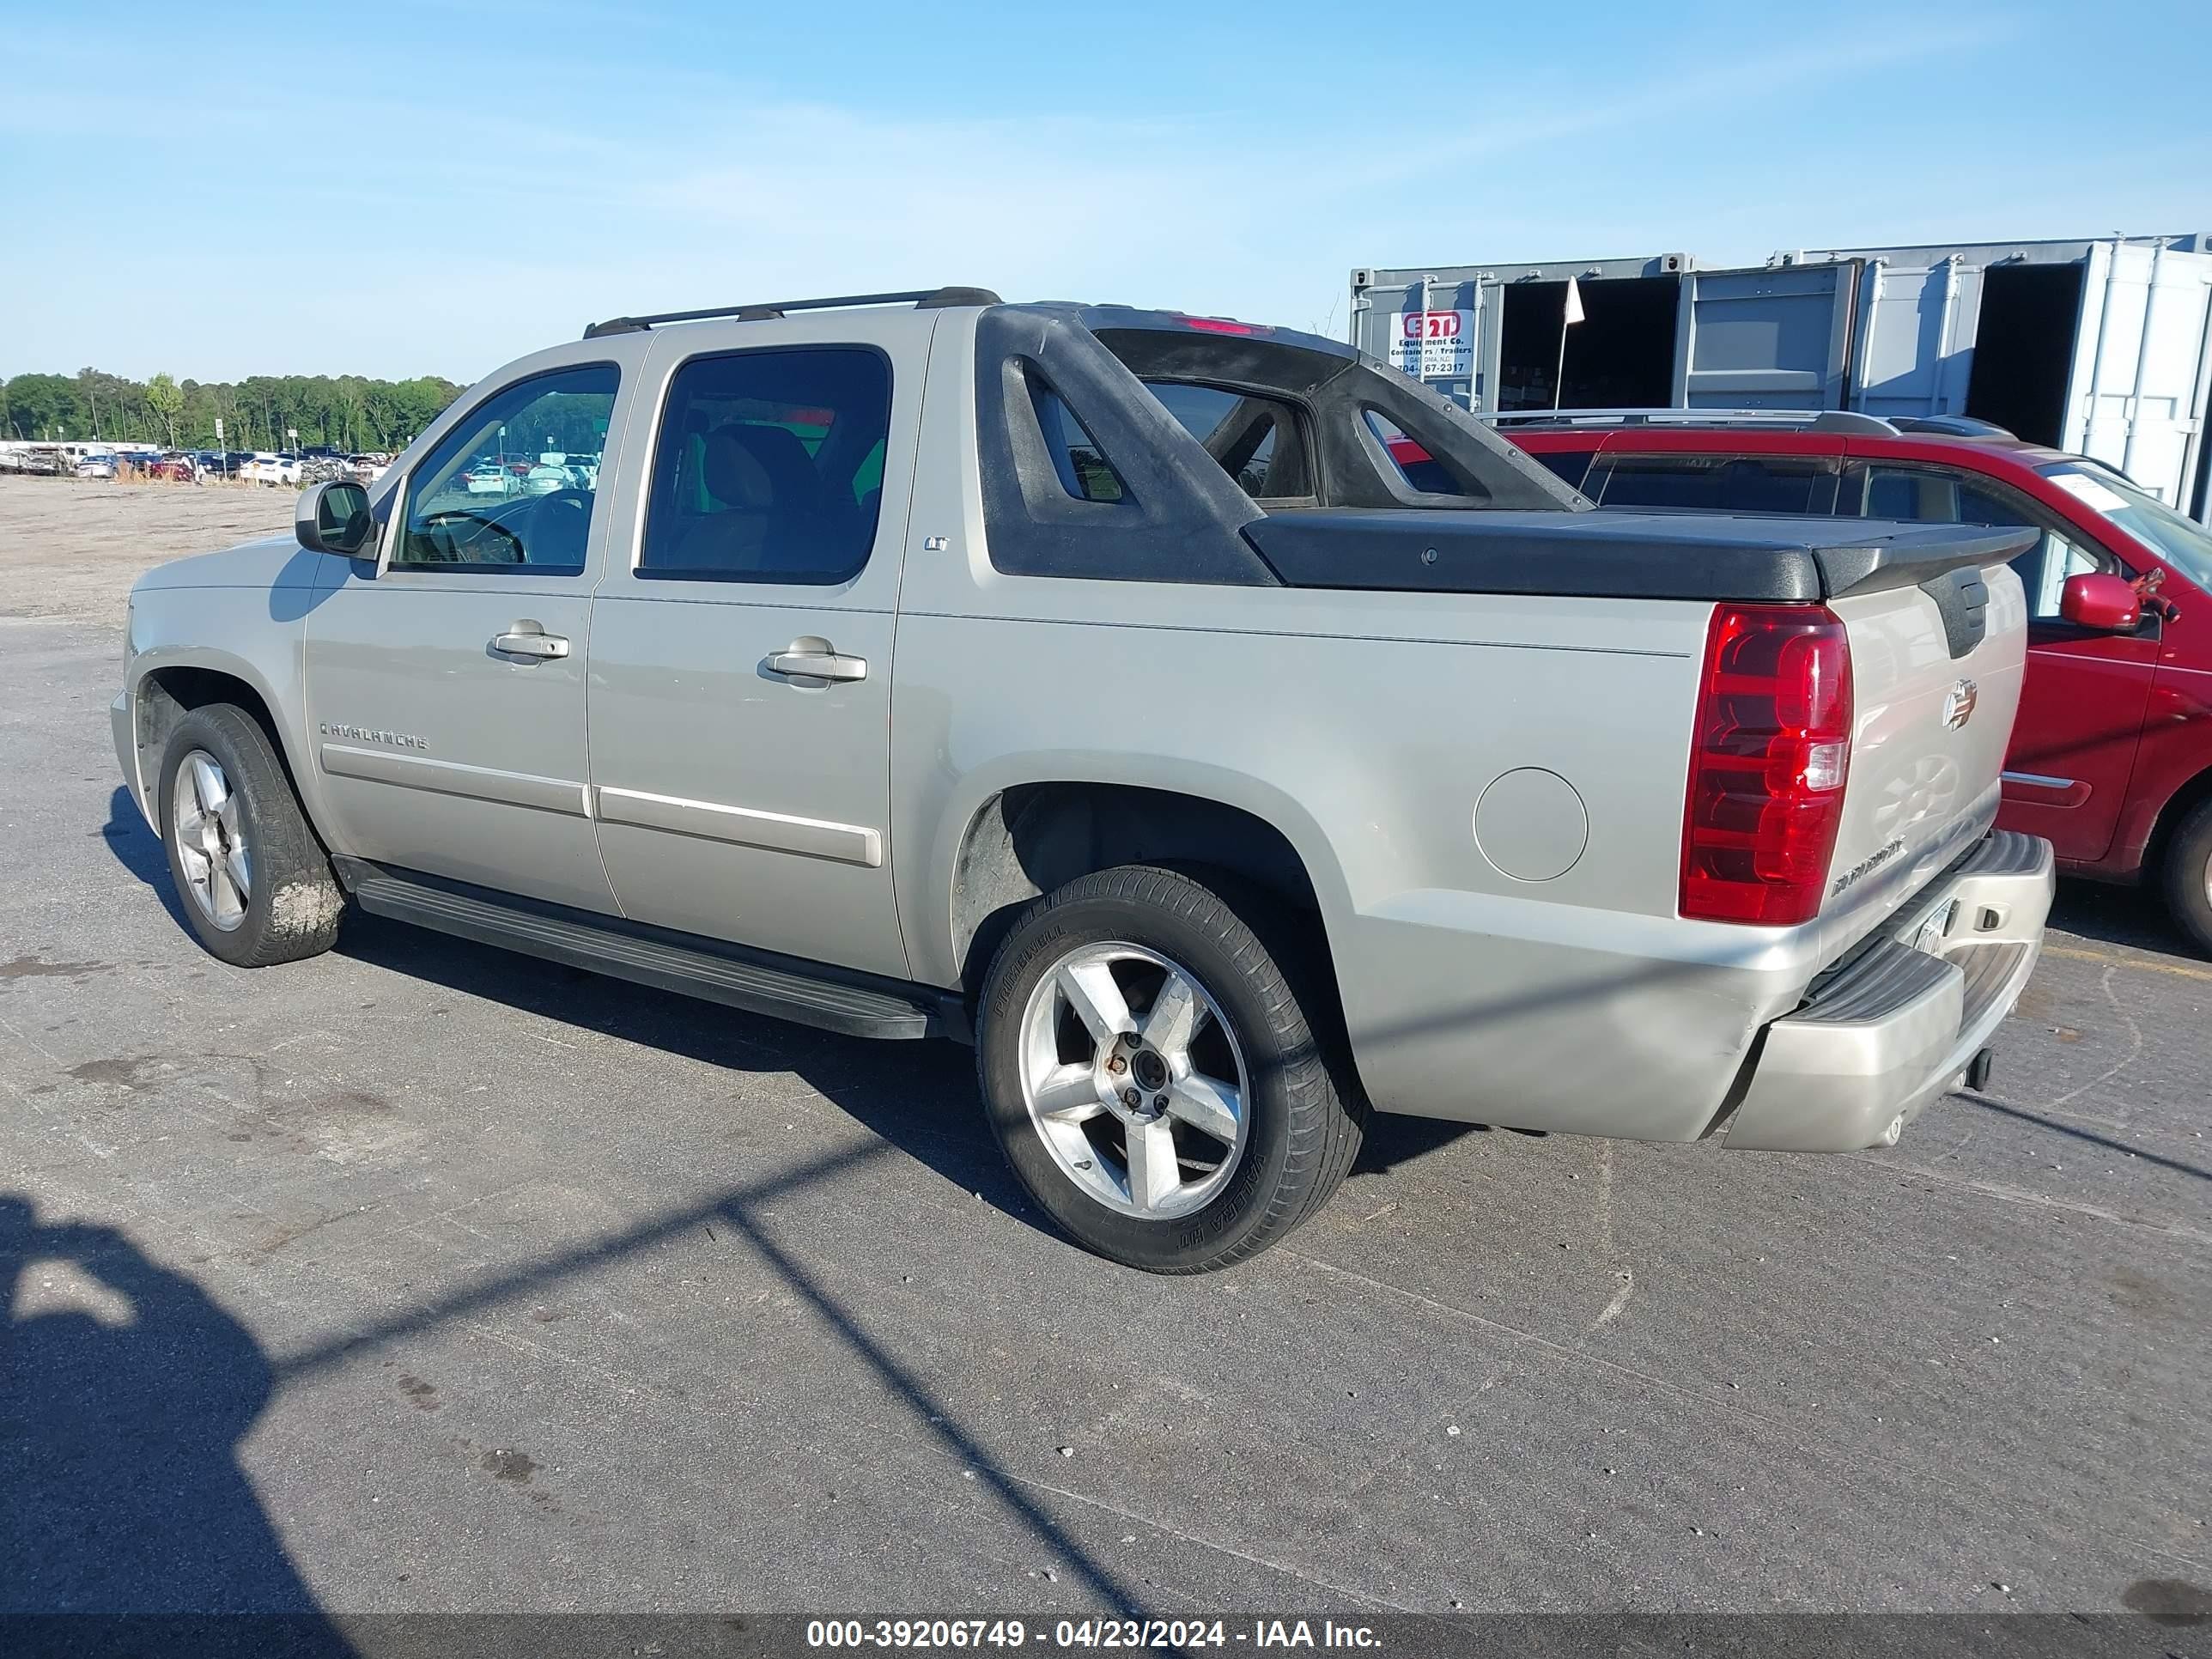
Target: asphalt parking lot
x,y
420,1276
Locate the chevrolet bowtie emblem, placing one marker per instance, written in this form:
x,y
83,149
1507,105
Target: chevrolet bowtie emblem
x,y
1959,705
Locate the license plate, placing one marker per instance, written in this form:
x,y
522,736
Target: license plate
x,y
1930,934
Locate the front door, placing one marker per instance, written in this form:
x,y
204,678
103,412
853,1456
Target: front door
x,y
741,639
445,689
2082,701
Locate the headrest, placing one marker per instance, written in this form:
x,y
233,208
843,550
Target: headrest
x,y
758,467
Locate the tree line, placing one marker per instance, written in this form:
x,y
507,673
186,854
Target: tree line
x,y
348,412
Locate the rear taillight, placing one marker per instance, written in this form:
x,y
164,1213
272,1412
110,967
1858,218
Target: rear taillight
x,y
1768,760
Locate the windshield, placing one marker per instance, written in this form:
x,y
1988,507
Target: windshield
x,y
2182,542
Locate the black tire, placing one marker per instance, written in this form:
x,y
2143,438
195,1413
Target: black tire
x,y
1304,1110
293,905
2189,875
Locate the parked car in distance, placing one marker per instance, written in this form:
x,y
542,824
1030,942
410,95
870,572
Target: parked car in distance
x,y
489,478
2112,757
550,473
271,468
95,467
368,468
1225,785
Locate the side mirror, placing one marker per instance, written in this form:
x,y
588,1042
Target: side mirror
x,y
333,517
2093,599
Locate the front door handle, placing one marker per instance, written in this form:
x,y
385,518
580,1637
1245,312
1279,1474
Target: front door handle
x,y
809,658
527,638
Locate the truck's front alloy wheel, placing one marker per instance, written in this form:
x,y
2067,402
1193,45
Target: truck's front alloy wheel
x,y
1153,1075
255,883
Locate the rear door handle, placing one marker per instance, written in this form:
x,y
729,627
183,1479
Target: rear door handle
x,y
527,638
808,658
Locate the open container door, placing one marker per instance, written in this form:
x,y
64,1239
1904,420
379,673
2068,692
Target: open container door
x,y
1914,354
1778,337
2135,397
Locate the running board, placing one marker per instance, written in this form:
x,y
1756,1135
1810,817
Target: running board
x,y
780,993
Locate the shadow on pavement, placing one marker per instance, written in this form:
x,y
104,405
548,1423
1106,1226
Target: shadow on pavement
x,y
920,1097
2020,1114
138,850
2136,917
120,1490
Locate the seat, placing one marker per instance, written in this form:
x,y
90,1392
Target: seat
x,y
769,515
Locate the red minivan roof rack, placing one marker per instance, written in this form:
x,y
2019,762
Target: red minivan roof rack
x,y
1818,420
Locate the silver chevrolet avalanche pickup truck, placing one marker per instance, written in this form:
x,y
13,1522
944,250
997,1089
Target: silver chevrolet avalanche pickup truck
x,y
1099,687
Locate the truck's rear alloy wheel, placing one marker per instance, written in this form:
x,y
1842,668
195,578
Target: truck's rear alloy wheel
x,y
1154,1076
256,885
1144,1111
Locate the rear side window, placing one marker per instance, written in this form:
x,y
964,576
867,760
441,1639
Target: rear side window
x,y
1912,495
768,467
1258,441
1719,483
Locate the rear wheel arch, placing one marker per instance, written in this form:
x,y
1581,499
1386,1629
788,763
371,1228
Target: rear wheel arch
x,y
1032,839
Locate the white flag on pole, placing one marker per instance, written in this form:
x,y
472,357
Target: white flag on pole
x,y
1574,301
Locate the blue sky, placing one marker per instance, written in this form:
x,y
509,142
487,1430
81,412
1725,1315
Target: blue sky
x,y
400,189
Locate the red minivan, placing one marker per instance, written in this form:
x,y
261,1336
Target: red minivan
x,y
2111,755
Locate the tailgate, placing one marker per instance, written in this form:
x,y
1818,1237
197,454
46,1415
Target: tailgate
x,y
1938,650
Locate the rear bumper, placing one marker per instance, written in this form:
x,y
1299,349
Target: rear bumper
x,y
1898,1026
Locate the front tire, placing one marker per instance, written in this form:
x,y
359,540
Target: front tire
x,y
1166,1084
2189,875
254,882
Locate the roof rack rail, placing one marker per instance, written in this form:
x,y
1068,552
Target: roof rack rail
x,y
920,299
1818,420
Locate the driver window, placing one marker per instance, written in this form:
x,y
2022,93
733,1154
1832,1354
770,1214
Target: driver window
x,y
511,486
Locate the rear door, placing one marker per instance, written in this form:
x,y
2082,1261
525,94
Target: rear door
x,y
445,689
741,663
2073,742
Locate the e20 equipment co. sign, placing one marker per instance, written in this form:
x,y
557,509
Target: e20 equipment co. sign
x,y
1433,345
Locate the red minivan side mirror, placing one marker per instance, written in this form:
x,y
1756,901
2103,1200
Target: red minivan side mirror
x,y
2105,603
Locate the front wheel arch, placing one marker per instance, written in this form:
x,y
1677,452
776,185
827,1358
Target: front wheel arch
x,y
165,695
